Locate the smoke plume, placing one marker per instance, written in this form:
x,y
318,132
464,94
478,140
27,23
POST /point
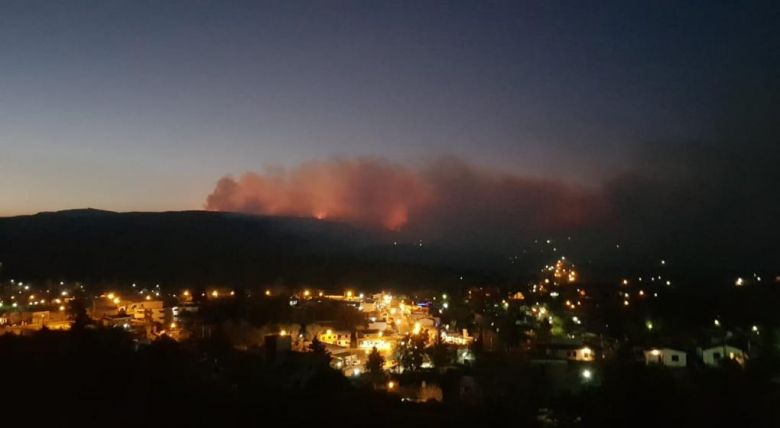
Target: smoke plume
x,y
436,198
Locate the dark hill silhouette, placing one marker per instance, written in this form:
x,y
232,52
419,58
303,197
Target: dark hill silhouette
x,y
201,247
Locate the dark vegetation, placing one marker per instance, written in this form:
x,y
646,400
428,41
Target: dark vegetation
x,y
101,377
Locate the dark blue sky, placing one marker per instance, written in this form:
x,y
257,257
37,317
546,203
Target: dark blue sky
x,y
143,105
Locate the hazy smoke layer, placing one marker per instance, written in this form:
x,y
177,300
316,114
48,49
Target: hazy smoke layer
x,y
711,203
438,198
365,191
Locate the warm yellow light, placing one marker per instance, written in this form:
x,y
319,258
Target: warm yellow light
x,y
215,293
110,296
349,294
116,300
267,292
390,385
173,325
329,332
306,293
655,352
62,308
186,293
148,297
416,329
283,333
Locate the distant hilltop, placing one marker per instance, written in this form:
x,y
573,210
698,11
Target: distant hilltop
x,y
205,247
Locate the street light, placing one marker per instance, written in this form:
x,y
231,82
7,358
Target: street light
x,y
587,374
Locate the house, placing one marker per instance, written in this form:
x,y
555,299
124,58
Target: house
x,y
461,339
582,353
565,351
378,341
145,310
336,337
121,320
666,357
342,359
378,325
367,307
714,356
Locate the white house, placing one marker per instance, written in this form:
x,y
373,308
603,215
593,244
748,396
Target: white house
x,y
140,310
581,354
713,356
666,357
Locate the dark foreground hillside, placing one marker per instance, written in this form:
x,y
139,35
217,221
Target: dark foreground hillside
x,y
97,377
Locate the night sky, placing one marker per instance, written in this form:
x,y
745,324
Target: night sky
x,y
609,108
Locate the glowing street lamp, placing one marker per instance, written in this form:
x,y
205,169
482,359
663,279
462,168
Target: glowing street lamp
x,y
587,374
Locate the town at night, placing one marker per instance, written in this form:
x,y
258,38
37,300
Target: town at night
x,y
389,213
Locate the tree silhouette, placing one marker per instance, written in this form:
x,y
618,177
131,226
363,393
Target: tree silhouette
x,y
411,352
79,313
318,348
440,355
375,366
